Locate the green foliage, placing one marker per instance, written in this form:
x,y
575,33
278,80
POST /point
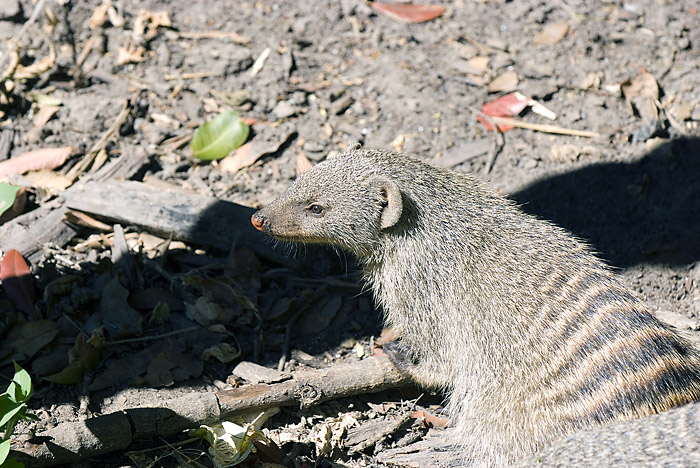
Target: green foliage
x,y
13,408
8,192
218,137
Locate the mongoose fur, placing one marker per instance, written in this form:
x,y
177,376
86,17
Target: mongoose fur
x,y
530,335
669,440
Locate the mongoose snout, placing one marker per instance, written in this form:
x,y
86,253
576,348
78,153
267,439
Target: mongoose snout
x,y
531,336
258,221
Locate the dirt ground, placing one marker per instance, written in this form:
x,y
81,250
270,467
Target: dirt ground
x,y
314,78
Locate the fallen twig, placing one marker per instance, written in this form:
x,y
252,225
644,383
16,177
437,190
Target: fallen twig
x,y
544,128
184,216
192,75
70,442
12,43
77,170
232,36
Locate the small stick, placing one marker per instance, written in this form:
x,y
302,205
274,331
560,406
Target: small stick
x,y
101,143
234,37
192,75
11,44
154,337
544,128
75,441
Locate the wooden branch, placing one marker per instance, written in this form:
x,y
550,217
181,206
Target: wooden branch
x,y
30,232
70,442
189,217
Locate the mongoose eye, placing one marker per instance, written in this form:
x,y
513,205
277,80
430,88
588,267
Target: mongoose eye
x,y
315,209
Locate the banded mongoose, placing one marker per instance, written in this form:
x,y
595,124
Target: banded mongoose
x,y
529,334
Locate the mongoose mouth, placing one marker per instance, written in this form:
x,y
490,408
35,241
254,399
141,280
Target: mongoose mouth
x,y
262,224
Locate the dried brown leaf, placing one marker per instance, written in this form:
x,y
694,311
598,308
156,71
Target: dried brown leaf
x,y
116,315
247,154
643,85
50,181
81,357
152,21
27,339
481,64
47,158
37,68
504,83
130,54
44,115
171,366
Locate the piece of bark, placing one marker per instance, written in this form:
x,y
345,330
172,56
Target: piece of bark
x,y
369,433
72,441
312,387
121,255
436,451
184,216
30,232
132,161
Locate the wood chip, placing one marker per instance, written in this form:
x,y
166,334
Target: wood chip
x,y
551,34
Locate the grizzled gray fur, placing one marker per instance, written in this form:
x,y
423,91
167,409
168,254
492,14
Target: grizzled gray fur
x,y
527,332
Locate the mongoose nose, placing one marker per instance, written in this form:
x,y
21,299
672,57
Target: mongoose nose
x,y
258,222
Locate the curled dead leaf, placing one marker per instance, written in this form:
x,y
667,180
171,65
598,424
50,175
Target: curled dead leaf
x,y
408,12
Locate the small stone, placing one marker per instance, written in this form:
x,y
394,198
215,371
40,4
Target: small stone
x,y
11,9
284,109
313,147
695,115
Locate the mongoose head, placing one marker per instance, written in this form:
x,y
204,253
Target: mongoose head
x,y
344,201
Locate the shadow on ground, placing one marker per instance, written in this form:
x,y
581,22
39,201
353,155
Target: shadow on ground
x,y
642,212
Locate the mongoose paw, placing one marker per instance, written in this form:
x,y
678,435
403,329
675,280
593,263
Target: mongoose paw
x,y
400,355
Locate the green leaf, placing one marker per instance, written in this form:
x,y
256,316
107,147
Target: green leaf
x,y
22,383
8,193
4,450
6,417
12,463
6,404
218,137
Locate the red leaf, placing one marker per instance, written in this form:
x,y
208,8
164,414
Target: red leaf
x,y
431,419
409,13
509,105
47,158
18,282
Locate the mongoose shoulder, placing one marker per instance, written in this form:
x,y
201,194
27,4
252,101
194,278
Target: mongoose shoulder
x,y
529,334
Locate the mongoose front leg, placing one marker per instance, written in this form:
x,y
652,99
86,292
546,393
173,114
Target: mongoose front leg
x,y
400,355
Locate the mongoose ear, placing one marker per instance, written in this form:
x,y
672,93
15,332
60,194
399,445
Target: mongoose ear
x,y
393,204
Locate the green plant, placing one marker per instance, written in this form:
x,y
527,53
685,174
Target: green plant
x,y
13,408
